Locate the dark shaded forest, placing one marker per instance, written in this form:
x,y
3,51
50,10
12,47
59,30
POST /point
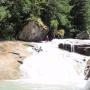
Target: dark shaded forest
x,y
71,16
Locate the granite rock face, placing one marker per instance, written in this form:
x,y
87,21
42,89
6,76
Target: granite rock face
x,y
12,54
33,32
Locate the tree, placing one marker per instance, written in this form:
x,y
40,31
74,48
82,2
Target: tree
x,y
57,10
80,15
15,13
87,15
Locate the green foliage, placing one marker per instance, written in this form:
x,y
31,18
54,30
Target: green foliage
x,y
54,23
33,7
58,10
87,15
71,15
14,13
60,33
81,15
3,12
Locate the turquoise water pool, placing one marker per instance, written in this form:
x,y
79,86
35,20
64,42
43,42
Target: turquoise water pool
x,y
14,85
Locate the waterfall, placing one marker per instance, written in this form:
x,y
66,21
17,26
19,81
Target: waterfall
x,y
54,66
72,47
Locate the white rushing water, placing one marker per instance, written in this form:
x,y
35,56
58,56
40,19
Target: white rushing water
x,y
53,66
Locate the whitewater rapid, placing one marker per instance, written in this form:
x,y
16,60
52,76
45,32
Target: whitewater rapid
x,y
53,66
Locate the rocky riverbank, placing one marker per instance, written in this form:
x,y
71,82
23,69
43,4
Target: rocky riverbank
x,y
12,54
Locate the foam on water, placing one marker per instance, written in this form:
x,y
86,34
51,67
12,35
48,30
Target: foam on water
x,y
54,66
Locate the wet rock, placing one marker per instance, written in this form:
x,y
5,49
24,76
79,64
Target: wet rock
x,y
78,48
65,47
87,70
83,35
87,51
21,62
33,32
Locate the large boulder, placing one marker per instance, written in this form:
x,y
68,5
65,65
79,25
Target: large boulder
x,y
34,32
83,35
12,54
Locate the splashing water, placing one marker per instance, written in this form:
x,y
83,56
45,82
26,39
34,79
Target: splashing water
x,y
53,66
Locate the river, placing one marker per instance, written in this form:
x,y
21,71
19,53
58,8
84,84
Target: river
x,y
50,68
